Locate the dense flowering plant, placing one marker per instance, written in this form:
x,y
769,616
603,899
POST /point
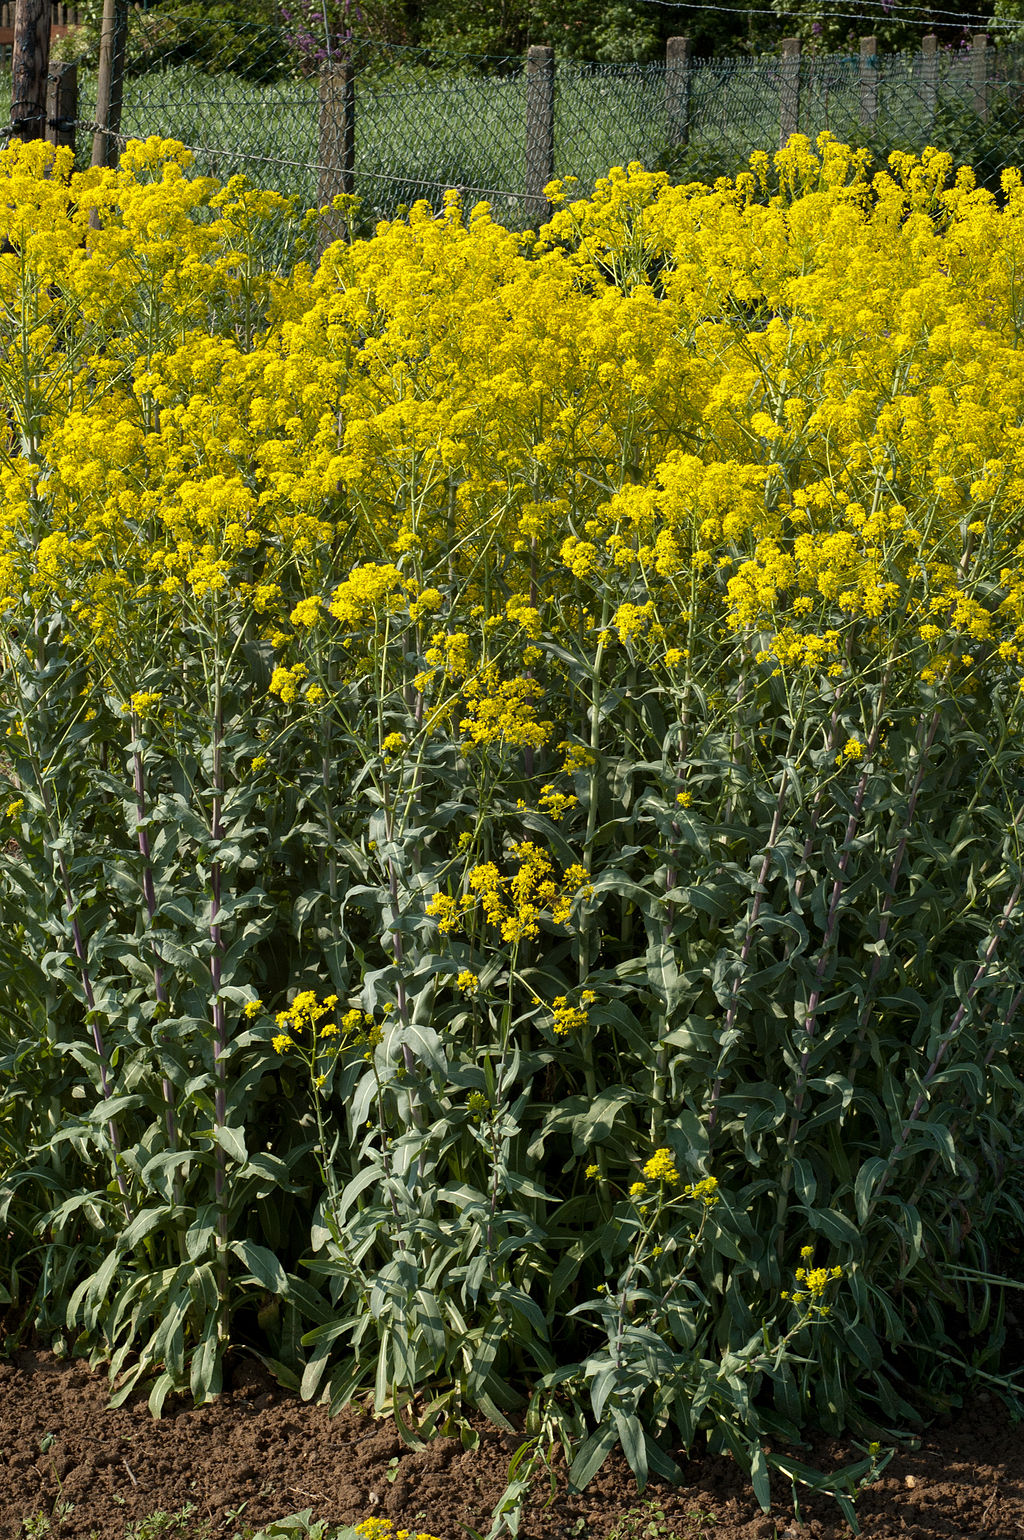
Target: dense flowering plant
x,y
513,781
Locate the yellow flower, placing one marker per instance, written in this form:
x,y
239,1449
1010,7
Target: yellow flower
x,y
661,1167
566,1018
852,750
286,682
705,1192
555,803
307,612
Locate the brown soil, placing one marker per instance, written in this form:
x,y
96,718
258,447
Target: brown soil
x,y
258,1454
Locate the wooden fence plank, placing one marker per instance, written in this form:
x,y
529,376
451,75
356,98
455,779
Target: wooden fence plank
x,y
29,68
62,105
540,122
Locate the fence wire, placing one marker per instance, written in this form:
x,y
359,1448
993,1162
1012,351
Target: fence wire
x,y
251,99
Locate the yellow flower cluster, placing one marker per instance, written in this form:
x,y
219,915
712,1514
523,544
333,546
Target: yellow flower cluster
x,y
287,682
807,431
815,1284
566,1018
503,711
303,1017
661,1167
381,1529
554,802
515,902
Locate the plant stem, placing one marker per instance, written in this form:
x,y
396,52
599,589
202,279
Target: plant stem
x,y
219,1037
149,893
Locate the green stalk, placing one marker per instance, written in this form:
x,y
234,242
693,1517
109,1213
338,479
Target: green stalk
x,y
149,893
589,1070
219,1030
78,940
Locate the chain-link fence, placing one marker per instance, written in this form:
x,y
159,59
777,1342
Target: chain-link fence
x,y
316,116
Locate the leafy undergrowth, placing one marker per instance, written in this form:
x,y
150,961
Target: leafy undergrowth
x,y
511,888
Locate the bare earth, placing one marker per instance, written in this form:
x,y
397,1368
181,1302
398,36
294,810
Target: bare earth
x,y
259,1453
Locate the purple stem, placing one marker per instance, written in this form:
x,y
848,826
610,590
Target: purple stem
x,y
827,947
748,942
401,996
83,961
219,1039
833,744
97,1035
528,750
149,893
832,919
945,1042
890,889
810,1019
1011,1011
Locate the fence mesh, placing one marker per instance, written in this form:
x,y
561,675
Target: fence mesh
x,y
252,99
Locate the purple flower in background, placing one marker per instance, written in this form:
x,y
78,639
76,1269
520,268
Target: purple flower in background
x,y
816,28
317,31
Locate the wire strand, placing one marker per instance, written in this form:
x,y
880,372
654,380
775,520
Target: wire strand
x,y
992,24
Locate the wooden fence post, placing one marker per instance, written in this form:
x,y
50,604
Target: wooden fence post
x,y
336,145
109,82
29,68
868,79
540,121
789,90
979,73
930,75
336,131
62,105
677,90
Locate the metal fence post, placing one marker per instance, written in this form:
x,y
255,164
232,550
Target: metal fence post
x,y
868,79
62,105
29,66
789,90
930,75
979,73
110,82
677,90
540,121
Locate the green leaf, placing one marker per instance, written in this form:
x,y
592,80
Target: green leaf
x,y
868,1177
759,1479
233,1141
634,1443
262,1265
591,1455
